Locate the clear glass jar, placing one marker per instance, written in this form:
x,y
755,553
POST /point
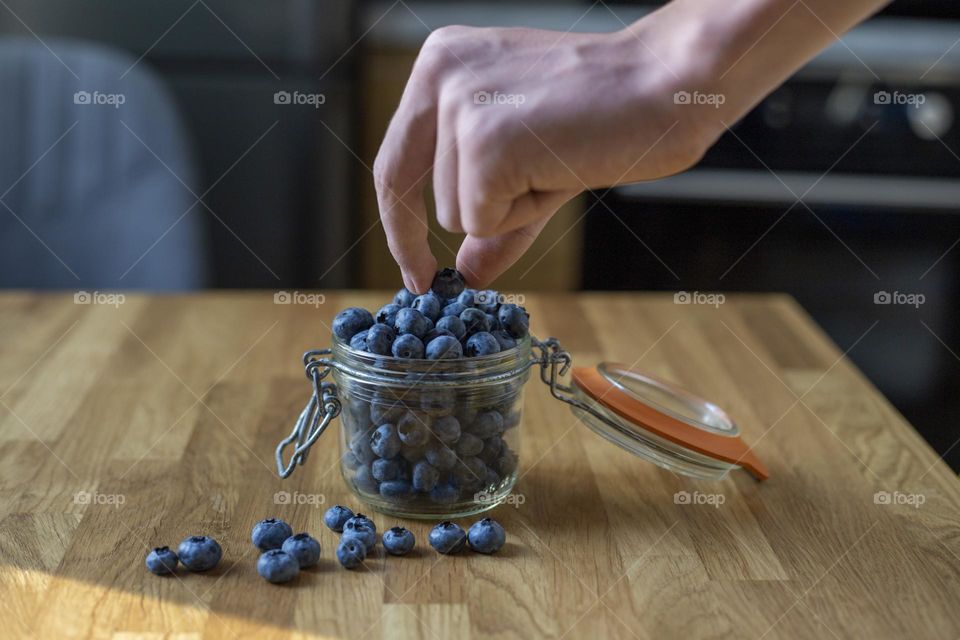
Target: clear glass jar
x,y
453,430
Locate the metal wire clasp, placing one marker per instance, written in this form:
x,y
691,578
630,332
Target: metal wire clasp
x,y
554,363
321,409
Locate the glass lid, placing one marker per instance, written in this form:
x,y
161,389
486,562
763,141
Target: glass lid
x,y
661,422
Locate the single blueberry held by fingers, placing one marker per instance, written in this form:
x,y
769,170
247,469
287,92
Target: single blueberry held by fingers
x,y
444,348
505,340
412,429
388,314
447,429
453,309
199,553
447,537
385,442
336,516
408,346
399,490
448,283
481,344
441,456
383,469
445,493
351,553
488,423
366,537
359,341
379,339
453,324
161,561
411,321
270,534
474,321
350,322
514,320
277,566
398,541
425,476
429,305
404,297
304,548
486,536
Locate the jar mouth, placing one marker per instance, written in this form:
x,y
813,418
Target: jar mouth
x,y
504,364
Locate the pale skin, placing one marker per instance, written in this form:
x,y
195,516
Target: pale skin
x,y
595,110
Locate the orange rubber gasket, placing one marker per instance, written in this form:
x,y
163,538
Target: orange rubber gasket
x,y
728,449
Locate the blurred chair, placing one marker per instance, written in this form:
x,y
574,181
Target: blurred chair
x,y
96,173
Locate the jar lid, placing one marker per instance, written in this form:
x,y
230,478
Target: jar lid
x,y
661,422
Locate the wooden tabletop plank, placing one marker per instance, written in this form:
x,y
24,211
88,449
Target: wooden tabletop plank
x,y
127,427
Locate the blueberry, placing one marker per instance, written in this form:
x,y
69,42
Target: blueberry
x,y
364,480
448,283
304,548
382,469
412,430
199,553
447,429
487,301
438,402
492,322
488,423
362,535
441,456
396,490
469,472
447,537
453,324
514,320
398,541
379,339
351,553
408,346
161,561
412,453
425,476
350,322
468,298
359,341
481,344
388,314
445,493
444,348
385,442
336,516
452,309
411,321
384,408
429,305
469,445
507,463
270,534
435,333
404,297
504,339
491,479
491,450
474,321
486,536
360,521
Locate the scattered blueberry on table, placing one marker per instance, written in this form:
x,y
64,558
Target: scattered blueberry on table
x,y
199,553
161,561
398,541
486,536
447,537
270,533
351,553
336,516
277,566
304,548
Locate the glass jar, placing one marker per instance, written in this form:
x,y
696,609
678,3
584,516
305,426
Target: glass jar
x,y
440,439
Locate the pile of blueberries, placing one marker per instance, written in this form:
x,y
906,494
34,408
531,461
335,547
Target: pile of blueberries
x,y
284,553
447,322
416,446
359,537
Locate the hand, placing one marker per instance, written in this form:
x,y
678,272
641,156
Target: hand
x,y
515,122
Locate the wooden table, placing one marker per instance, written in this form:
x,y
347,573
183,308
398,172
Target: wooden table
x,y
130,426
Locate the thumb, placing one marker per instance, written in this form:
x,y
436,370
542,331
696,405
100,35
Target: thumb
x,y
481,260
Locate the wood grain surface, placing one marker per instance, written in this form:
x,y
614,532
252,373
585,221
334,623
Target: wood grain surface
x,y
131,426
